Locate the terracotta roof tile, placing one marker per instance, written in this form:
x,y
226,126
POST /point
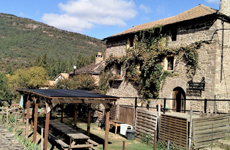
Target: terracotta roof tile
x,y
193,13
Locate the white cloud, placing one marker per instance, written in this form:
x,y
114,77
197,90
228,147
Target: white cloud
x,y
66,22
78,15
213,1
146,9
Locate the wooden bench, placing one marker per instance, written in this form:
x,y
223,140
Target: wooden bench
x,y
60,142
92,142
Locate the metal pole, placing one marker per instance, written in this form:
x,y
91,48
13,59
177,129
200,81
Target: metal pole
x,y
164,104
215,104
159,110
168,145
205,106
190,129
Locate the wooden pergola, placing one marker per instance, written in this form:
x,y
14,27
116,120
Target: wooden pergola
x,y
51,97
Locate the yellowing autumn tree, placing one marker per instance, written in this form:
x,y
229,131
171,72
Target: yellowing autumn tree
x,y
32,78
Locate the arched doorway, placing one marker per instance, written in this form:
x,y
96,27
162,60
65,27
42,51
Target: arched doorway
x,y
179,99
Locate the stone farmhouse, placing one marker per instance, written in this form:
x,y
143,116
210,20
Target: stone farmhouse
x,y
92,69
212,78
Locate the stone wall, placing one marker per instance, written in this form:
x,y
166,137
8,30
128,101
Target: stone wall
x,y
117,48
209,66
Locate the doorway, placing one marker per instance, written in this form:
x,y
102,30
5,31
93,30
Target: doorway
x,y
179,100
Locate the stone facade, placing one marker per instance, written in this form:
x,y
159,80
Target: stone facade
x,y
212,66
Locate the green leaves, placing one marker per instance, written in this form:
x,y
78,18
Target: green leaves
x,y
143,62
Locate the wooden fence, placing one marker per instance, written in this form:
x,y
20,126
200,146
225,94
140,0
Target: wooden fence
x,y
145,124
174,129
126,114
206,130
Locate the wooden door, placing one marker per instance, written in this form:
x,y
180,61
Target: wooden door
x,y
179,101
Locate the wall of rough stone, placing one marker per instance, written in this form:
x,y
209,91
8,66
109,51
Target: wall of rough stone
x,y
209,67
117,48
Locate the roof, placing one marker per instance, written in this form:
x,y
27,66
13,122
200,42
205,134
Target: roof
x,y
195,12
64,75
93,68
64,93
51,83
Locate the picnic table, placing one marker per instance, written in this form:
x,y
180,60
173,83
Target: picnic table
x,y
74,135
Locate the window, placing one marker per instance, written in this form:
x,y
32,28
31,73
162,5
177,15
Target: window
x,y
130,42
170,63
117,69
174,34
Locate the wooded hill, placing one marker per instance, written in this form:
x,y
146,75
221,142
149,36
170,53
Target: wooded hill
x,y
22,40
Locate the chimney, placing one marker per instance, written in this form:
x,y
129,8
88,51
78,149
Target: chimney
x,y
225,7
98,58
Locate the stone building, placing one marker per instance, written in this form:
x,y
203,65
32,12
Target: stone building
x,y
92,69
200,23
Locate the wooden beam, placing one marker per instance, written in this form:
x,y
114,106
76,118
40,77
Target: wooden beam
x,y
62,112
75,117
106,129
35,122
80,101
47,127
23,115
89,116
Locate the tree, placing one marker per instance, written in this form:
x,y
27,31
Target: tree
x,y
83,82
5,92
33,78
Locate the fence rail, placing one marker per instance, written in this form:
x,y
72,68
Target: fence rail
x,y
206,130
145,124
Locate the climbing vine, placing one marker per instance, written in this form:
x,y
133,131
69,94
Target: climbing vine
x,y
143,62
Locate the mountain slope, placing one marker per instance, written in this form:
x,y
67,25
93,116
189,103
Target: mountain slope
x,y
22,40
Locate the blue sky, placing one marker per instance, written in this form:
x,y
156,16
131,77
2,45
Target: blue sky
x,y
99,18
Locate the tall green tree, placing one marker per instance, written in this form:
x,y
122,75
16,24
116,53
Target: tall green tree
x,y
5,92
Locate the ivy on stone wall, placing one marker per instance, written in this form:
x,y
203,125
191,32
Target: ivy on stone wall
x,y
143,62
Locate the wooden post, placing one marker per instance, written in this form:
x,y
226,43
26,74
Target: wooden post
x,y
42,139
32,119
155,139
23,115
190,130
27,116
106,129
47,127
35,122
62,112
7,116
16,118
75,117
27,123
89,116
123,145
